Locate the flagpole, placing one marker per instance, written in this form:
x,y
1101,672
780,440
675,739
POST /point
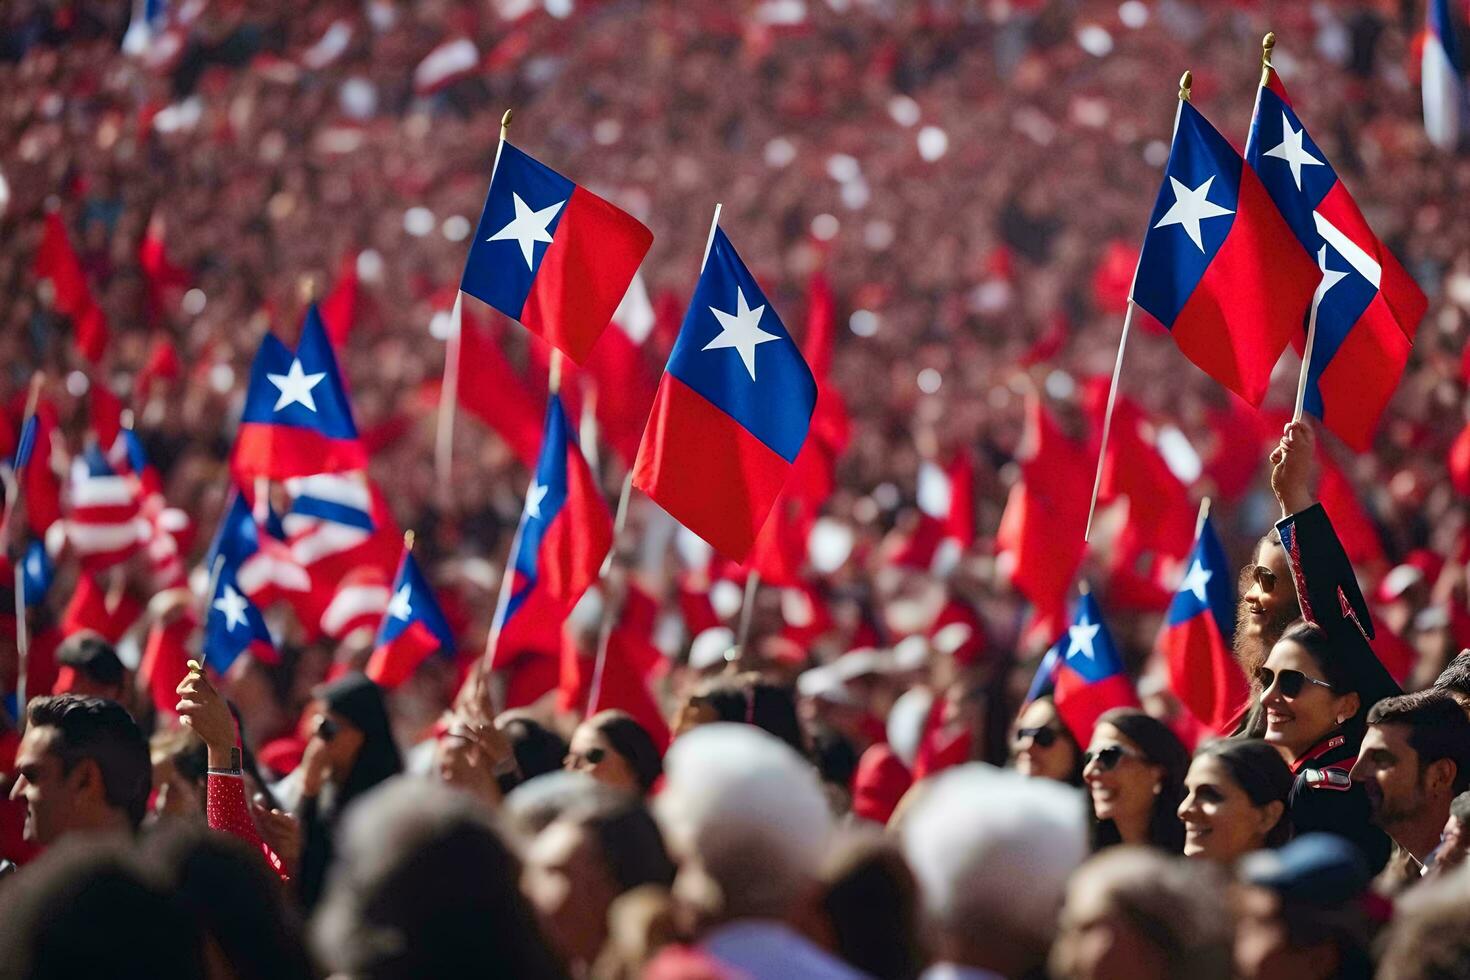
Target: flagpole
x,y
747,610
1301,382
1186,81
22,645
12,489
449,390
605,628
1204,515
262,509
709,243
449,394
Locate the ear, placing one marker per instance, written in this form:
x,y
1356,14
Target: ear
x,y
1348,705
85,778
1440,774
1270,814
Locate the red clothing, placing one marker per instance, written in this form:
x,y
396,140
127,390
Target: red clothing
x,y
226,810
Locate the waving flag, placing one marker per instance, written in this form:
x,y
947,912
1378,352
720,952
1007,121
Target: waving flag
x,y
624,381
551,254
1090,678
297,419
413,627
1196,641
234,624
491,390
1443,78
58,262
564,535
1366,306
1218,268
167,526
1044,683
732,410
105,526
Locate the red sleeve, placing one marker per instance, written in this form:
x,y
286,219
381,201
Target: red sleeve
x,y
226,810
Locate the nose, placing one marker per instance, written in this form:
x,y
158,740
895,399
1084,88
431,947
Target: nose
x,y
18,791
1272,694
1091,771
1359,771
1187,807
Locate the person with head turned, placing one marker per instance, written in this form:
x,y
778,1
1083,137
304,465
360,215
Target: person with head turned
x,y
1235,802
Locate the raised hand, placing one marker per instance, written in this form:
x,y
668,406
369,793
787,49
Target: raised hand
x,y
1292,463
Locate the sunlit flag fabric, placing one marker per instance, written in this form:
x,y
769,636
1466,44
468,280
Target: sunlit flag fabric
x,y
1090,677
731,413
565,531
1367,306
551,254
105,525
1196,641
234,625
413,627
297,419
1218,268
1442,75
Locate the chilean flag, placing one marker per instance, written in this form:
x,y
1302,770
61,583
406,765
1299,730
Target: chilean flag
x,y
1443,77
1090,678
297,418
1218,268
235,625
412,628
1367,307
731,413
564,535
1196,641
552,255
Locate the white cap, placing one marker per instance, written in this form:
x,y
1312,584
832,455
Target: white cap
x,y
709,647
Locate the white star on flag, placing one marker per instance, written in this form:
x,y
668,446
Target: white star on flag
x,y
399,607
232,604
534,496
295,386
1080,637
1190,207
527,227
741,330
1195,581
1293,152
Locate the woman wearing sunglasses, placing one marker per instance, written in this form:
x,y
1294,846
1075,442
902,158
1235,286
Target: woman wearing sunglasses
x,y
1237,790
1041,745
1322,676
1316,692
1134,770
616,751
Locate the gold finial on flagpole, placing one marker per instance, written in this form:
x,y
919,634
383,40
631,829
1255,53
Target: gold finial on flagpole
x,y
306,288
408,540
505,122
1082,587
1268,44
1186,82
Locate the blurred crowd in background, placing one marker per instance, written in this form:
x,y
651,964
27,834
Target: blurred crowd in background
x,y
971,178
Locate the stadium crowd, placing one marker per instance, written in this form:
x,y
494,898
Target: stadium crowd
x,y
861,788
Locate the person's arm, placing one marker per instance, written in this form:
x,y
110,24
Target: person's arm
x,y
226,809
1326,584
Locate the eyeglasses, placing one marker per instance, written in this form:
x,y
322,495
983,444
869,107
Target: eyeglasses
x,y
1260,575
1108,757
1289,682
592,757
1043,737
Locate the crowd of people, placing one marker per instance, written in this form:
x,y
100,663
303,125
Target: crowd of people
x,y
861,787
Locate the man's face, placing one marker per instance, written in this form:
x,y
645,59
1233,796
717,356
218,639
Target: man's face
x,y
1388,768
51,796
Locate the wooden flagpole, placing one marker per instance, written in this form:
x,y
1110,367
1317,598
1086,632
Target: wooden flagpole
x,y
605,628
1186,81
449,392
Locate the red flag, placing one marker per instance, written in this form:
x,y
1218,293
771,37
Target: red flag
x,y
491,391
164,279
1354,526
165,660
162,365
93,608
57,261
1040,533
619,370
105,414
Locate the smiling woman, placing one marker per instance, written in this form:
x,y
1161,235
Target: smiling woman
x,y
1236,800
1134,771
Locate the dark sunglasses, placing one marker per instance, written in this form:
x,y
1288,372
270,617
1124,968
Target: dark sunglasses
x,y
592,756
1044,737
1260,575
326,729
1108,758
1290,682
